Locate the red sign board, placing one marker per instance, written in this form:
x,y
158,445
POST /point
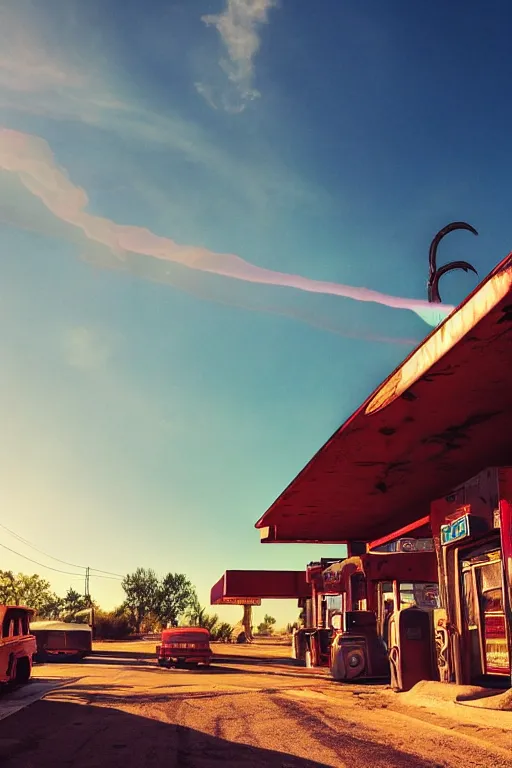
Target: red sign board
x,y
240,601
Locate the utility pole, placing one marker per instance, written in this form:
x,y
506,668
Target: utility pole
x,y
89,601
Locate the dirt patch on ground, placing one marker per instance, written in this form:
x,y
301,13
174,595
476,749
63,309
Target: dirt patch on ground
x,y
121,709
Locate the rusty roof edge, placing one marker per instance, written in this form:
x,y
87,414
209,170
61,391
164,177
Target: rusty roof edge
x,y
492,291
502,265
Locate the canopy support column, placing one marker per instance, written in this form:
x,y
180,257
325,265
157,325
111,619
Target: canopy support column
x,y
247,622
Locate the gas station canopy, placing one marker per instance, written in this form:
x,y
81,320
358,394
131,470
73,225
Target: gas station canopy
x,y
250,587
439,418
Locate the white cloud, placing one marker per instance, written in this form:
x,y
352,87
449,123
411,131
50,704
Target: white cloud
x,y
86,349
27,64
239,26
206,92
52,82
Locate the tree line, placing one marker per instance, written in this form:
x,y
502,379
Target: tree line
x,y
36,593
150,604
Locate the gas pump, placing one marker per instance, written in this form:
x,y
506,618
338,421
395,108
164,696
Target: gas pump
x,y
411,647
357,650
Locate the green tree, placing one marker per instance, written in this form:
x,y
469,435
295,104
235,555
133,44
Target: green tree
x,y
112,625
222,632
267,626
29,590
74,602
174,595
194,612
8,591
52,609
197,616
142,591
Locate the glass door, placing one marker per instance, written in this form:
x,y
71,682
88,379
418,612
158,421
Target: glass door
x,y
495,646
485,623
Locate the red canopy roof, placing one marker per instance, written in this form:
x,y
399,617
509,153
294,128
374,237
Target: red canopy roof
x,y
443,415
249,587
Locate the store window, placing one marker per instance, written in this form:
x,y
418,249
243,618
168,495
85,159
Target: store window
x,y
491,587
470,601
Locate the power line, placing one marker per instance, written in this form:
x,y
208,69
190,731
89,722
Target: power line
x,y
33,546
57,559
99,571
58,570
101,576
69,573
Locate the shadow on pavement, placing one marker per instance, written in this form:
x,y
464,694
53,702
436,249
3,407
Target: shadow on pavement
x,y
50,734
221,665
129,655
285,661
224,658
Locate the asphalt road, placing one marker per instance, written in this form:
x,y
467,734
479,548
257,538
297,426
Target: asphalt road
x,y
119,709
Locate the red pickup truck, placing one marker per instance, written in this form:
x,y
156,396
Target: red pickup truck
x,y
17,644
184,645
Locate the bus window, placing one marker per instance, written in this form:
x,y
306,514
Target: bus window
x,y
358,586
419,594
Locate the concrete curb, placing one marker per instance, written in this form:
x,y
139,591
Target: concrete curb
x,y
430,693
28,694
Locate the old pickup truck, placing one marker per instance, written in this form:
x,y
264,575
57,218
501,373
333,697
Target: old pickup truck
x,y
17,644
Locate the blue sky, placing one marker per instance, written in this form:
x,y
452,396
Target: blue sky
x,y
188,191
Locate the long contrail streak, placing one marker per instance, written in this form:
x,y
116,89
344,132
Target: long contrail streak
x,y
31,159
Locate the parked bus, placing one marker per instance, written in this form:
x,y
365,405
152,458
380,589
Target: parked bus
x,y
60,641
17,644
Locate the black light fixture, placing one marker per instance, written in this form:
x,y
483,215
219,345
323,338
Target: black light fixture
x,y
435,274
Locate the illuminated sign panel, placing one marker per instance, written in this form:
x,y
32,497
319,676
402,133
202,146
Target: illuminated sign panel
x,y
459,529
406,545
241,601
331,578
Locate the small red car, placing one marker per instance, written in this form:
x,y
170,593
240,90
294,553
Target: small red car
x,y
184,645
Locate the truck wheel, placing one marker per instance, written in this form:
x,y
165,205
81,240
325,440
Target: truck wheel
x,y
22,671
